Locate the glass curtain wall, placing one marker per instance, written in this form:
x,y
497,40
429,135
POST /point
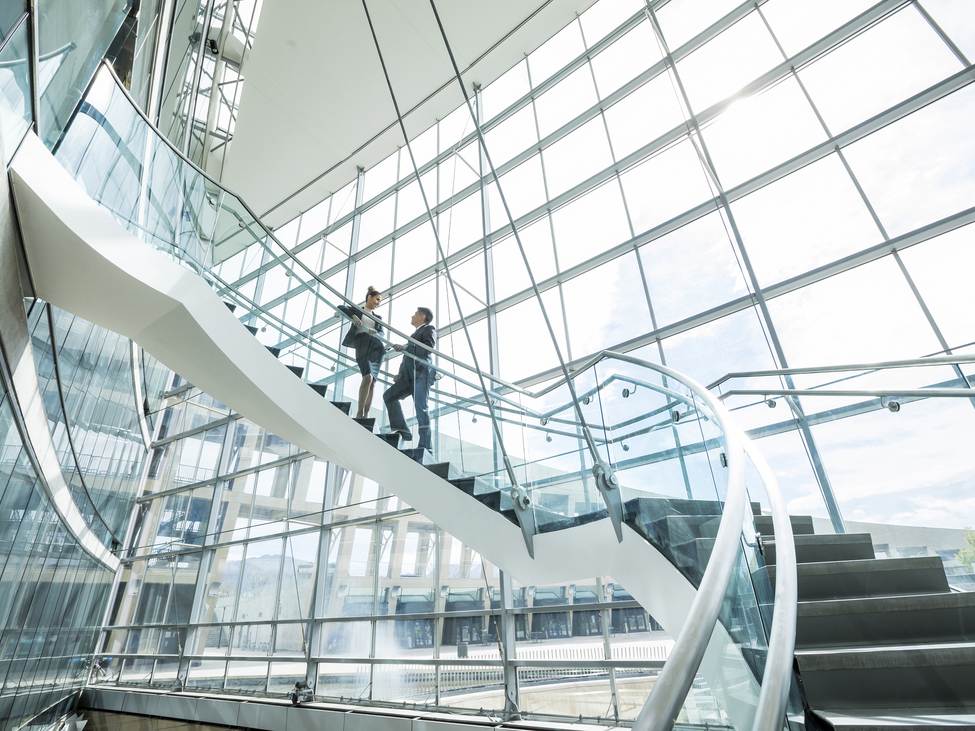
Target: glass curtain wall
x,y
254,565
88,388
52,594
721,188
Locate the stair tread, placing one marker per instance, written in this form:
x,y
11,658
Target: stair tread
x,y
827,538
868,605
867,564
905,719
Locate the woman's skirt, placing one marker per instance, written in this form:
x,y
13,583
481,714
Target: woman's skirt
x,y
369,353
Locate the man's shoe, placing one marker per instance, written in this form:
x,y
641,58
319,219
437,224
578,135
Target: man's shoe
x,y
405,434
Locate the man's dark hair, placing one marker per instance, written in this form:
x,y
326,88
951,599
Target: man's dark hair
x,y
427,314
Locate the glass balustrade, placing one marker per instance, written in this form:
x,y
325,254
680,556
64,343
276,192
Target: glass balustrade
x,y
878,431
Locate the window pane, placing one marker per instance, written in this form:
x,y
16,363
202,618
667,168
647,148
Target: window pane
x,y
374,270
505,90
627,58
524,191
569,98
555,53
798,24
681,20
956,19
606,306
760,132
733,343
867,314
415,251
644,115
664,186
576,156
513,135
890,62
537,242
691,270
942,271
590,225
807,219
725,64
377,222
459,171
918,170
605,16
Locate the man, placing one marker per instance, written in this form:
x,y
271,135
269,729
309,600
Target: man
x,y
414,379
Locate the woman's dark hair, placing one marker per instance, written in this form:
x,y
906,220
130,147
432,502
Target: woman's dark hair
x,y
372,291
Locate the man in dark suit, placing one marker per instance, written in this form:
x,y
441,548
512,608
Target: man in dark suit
x,y
414,379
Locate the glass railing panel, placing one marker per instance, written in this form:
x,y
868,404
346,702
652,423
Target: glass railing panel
x,y
15,101
874,439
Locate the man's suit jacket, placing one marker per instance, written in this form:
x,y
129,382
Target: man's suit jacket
x,y
409,368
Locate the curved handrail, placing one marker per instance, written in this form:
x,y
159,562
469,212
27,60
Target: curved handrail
x,y
777,680
671,688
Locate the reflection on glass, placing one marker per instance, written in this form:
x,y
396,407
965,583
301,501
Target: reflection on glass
x,y
15,99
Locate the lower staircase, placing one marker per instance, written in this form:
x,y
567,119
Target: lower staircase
x,y
880,643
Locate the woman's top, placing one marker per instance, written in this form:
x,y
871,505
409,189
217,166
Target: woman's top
x,y
368,324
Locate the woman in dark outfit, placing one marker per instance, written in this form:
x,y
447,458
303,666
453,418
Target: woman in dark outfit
x,y
369,349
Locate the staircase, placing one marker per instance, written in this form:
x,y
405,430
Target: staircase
x,y
879,643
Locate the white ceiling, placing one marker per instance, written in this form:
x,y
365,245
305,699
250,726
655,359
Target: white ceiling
x,y
315,106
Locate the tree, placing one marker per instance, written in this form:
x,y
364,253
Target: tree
x,y
966,556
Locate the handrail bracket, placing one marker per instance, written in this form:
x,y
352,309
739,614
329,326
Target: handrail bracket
x,y
525,514
608,485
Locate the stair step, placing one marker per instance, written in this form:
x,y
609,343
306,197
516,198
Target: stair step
x,y
297,370
756,508
929,676
555,522
344,406
368,422
680,528
320,388
473,485
391,438
273,351
422,456
231,306
871,578
901,620
903,720
826,547
802,525
251,329
446,471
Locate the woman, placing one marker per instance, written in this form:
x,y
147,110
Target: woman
x,y
369,350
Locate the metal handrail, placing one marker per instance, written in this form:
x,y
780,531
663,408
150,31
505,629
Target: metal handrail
x,y
675,680
876,366
777,680
882,393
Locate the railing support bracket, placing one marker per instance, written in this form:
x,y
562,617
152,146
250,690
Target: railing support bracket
x,y
609,487
525,514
